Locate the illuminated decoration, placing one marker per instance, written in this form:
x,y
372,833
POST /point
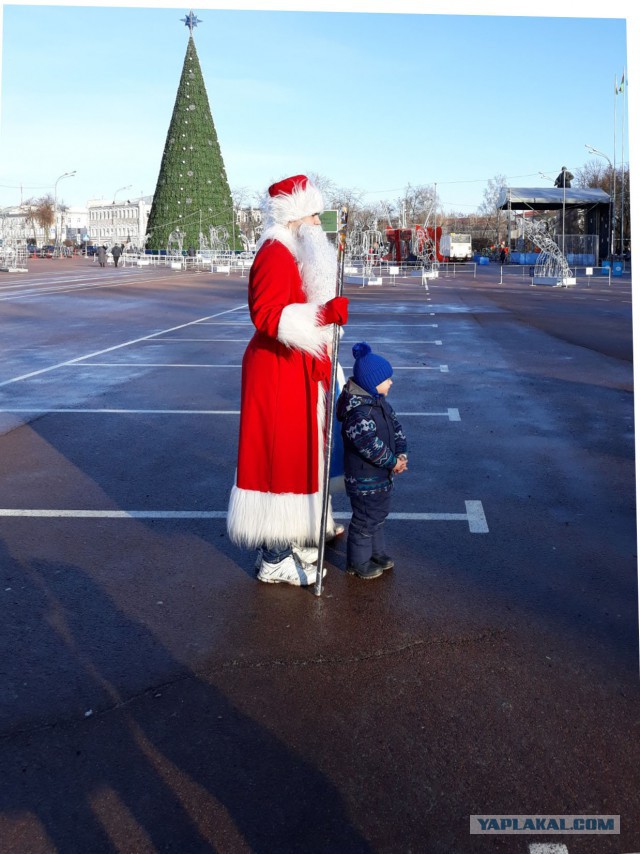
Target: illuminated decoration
x,y
551,263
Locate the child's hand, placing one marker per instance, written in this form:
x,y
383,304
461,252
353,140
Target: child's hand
x,y
401,465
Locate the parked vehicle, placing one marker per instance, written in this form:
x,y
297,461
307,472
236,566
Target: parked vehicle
x,y
456,247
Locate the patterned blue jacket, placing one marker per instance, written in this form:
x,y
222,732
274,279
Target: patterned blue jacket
x,y
373,438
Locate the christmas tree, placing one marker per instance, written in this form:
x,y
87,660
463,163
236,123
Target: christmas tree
x,y
192,196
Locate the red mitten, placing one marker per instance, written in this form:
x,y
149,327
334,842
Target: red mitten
x,y
335,311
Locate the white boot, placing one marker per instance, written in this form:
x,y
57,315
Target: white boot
x,y
307,554
290,570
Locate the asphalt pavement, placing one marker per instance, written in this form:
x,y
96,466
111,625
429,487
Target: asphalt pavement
x,y
154,697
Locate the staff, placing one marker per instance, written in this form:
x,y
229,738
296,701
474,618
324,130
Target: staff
x,y
331,400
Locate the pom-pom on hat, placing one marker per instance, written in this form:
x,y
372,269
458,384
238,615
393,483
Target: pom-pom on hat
x,y
369,370
293,198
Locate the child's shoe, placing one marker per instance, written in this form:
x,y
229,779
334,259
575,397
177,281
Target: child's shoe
x,y
365,570
383,561
290,570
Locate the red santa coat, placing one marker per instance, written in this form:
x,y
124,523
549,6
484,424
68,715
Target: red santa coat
x,y
277,495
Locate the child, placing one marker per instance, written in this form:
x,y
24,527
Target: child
x,y
374,450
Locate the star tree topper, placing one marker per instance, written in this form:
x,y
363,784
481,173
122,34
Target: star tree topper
x,y
191,21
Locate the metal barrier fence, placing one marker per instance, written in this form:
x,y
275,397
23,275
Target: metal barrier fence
x,y
365,276
386,273
581,275
219,263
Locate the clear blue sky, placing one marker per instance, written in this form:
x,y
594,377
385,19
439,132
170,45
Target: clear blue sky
x,y
372,101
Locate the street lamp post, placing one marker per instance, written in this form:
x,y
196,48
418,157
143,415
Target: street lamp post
x,y
113,202
55,206
612,216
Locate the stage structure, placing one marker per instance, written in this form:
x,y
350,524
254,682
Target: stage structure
x,y
593,203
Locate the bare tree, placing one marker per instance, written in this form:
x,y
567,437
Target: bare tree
x,y
240,197
417,204
326,186
595,173
44,214
29,209
349,196
39,212
489,205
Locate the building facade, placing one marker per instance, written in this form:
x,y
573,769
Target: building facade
x,y
18,225
119,222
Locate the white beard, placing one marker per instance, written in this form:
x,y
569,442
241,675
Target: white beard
x,y
318,263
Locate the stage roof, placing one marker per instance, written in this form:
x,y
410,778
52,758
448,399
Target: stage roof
x,y
549,198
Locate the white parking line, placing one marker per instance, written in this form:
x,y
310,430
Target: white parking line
x,y
244,341
47,411
358,324
444,369
147,365
79,363
111,349
17,284
474,516
548,848
395,341
355,323
23,294
451,414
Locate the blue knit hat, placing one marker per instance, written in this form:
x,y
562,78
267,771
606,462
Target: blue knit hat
x,y
369,370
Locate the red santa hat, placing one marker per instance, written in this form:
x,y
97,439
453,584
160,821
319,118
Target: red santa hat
x,y
293,198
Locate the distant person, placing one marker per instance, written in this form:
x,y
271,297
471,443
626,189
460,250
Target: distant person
x,y
375,448
503,255
116,252
191,252
564,179
102,256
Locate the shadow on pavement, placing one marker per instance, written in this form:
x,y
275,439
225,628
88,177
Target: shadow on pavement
x,y
173,768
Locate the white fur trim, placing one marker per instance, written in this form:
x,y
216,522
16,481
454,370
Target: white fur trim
x,y
265,517
295,205
298,328
282,234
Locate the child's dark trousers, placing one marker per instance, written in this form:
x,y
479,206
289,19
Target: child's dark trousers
x,y
366,531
